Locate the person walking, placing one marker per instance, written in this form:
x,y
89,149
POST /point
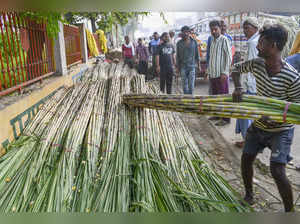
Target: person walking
x,y
187,58
153,45
250,29
165,62
275,78
219,65
128,52
142,57
172,38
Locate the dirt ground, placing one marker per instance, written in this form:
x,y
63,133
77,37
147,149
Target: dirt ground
x,y
224,157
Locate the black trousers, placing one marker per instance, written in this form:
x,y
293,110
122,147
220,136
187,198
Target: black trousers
x,y
129,62
143,67
166,78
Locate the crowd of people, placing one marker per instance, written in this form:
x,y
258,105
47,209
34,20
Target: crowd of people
x,y
263,72
168,58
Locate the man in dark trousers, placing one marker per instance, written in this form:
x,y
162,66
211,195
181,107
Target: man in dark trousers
x,y
128,52
153,45
165,58
142,57
219,65
278,80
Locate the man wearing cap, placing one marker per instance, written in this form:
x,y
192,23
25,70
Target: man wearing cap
x,y
250,28
187,55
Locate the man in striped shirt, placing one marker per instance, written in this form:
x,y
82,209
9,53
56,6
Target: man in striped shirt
x,y
275,78
219,64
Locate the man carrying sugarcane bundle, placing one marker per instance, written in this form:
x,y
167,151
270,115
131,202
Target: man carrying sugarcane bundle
x,y
275,78
250,28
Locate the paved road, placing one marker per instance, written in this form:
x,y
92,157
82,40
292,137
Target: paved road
x,y
201,88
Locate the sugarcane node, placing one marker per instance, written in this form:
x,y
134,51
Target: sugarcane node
x,y
68,149
55,145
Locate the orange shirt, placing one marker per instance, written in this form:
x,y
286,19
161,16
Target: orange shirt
x,y
199,43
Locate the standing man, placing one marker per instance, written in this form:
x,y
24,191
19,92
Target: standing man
x,y
165,61
219,65
275,79
250,28
128,52
194,36
142,57
153,45
187,56
172,38
224,31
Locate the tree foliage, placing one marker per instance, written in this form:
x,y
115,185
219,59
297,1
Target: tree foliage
x,y
50,18
105,20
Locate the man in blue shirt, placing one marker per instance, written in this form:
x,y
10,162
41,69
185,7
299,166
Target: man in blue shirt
x,y
294,60
153,45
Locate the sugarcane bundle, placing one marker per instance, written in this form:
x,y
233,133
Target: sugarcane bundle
x,y
87,151
252,107
197,186
112,193
87,171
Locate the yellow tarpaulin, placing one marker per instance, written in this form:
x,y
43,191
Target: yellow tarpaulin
x,y
296,45
103,41
92,43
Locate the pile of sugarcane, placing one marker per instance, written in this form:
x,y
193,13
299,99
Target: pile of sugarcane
x,y
251,107
86,151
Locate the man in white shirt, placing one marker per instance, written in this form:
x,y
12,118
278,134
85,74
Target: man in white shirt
x,y
250,28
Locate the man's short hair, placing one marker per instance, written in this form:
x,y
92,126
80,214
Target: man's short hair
x,y
185,28
275,33
223,21
215,23
164,34
155,33
140,39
